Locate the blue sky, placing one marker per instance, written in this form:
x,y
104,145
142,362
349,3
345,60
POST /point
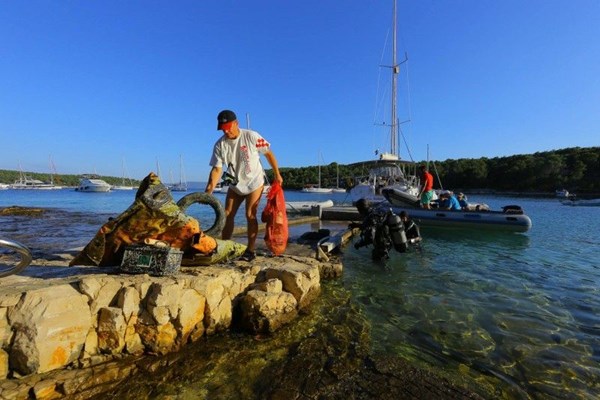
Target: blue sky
x,y
91,84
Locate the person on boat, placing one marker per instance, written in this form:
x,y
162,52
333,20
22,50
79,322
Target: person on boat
x,y
426,192
462,200
413,234
239,150
448,201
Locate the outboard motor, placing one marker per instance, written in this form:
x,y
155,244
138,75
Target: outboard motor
x,y
396,232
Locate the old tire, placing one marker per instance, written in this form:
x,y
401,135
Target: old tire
x,y
209,199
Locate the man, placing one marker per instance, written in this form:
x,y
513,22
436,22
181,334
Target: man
x,y
426,192
413,234
448,201
239,150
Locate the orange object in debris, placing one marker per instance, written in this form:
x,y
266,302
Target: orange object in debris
x,y
275,216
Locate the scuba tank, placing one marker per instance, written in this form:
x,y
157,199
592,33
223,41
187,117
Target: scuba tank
x,y
396,232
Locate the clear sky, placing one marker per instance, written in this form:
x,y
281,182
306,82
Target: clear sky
x,y
93,83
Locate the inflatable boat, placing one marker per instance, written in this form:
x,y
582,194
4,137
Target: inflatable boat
x,y
511,218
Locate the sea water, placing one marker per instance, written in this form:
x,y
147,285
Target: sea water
x,y
515,314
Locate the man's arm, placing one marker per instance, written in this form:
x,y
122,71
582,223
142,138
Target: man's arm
x,y
273,163
213,178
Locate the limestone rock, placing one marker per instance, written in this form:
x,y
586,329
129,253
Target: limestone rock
x,y
5,331
111,330
300,279
129,302
51,325
269,286
163,301
218,313
158,339
3,364
264,312
90,347
190,314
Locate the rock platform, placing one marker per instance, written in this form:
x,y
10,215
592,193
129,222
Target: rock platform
x,y
61,326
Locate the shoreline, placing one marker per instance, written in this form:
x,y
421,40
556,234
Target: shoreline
x,y
348,370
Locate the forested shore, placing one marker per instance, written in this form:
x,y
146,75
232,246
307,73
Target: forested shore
x,y
576,169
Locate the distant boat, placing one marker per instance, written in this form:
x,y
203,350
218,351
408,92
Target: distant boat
x,y
303,207
575,202
182,185
92,184
337,188
562,194
26,182
123,185
4,186
317,189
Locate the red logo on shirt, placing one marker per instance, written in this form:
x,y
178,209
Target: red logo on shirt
x,y
261,143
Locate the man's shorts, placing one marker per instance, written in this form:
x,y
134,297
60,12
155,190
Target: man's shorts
x,y
426,197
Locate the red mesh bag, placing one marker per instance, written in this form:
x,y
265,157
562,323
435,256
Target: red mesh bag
x,y
275,217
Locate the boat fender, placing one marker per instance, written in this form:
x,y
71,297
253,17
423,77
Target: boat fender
x,y
512,209
209,199
397,233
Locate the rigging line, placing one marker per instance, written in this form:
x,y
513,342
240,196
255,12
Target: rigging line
x,y
437,175
408,106
378,95
406,144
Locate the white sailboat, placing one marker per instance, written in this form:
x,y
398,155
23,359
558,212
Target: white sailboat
x,y
388,171
125,182
318,188
182,185
337,188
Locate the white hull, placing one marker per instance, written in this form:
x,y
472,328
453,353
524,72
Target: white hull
x,y
93,186
484,220
122,188
306,206
511,218
178,188
384,174
582,203
25,183
316,190
42,186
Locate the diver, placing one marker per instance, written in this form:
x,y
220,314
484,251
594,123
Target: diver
x,y
381,228
413,234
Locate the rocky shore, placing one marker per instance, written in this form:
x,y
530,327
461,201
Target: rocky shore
x,y
88,332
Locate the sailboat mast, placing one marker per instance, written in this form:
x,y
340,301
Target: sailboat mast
x,y
395,71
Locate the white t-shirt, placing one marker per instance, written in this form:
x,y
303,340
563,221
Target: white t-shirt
x,y
240,157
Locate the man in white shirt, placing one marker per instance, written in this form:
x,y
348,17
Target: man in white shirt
x,y
239,151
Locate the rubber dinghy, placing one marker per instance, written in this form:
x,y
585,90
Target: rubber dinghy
x,y
511,219
306,206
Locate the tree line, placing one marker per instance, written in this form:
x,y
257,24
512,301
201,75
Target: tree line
x,y
10,176
576,169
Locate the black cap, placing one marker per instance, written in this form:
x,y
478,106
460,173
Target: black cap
x,y
224,117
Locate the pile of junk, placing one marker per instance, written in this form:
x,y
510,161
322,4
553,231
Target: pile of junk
x,y
155,235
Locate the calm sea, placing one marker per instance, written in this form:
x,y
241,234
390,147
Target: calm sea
x,y
516,315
